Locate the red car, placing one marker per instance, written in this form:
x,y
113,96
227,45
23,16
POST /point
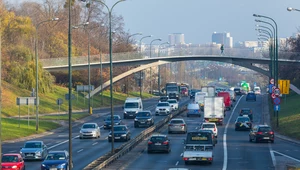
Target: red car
x,y
12,161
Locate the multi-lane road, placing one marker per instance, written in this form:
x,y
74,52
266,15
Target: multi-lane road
x,y
233,151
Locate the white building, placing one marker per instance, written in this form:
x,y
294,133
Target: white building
x,y
176,39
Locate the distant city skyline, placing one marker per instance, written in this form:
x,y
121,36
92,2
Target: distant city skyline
x,y
197,20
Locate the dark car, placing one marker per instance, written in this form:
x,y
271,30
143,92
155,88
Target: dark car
x,y
237,91
251,97
163,99
243,123
107,121
246,111
192,93
143,118
56,160
261,133
121,133
158,143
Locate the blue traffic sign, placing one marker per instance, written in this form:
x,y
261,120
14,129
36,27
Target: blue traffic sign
x,y
276,100
276,107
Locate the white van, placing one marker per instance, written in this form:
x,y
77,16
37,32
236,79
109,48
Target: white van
x,y
199,99
132,106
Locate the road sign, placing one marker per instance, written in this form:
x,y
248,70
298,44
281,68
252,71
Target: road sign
x,y
284,86
67,96
276,91
276,100
273,96
276,107
272,81
59,101
270,88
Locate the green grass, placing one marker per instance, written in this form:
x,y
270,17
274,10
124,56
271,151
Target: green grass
x,y
12,130
289,116
64,117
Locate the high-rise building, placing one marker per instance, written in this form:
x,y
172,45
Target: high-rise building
x,y
222,38
176,39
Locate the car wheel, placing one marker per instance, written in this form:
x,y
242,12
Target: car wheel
x,y
255,139
80,137
186,162
109,140
272,141
187,115
24,167
135,126
250,140
169,132
149,151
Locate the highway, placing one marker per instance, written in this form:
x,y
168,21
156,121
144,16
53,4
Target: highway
x,y
85,150
233,151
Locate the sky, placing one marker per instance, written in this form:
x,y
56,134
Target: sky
x,y
198,19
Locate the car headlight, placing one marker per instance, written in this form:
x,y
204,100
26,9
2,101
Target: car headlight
x,y
93,132
149,119
43,165
21,152
80,131
109,135
62,165
135,119
123,135
38,153
14,167
125,112
136,111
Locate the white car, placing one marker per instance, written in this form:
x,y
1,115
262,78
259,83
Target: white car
x,y
163,108
210,126
90,130
173,103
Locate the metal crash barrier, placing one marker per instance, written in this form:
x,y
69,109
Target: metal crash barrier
x,y
108,158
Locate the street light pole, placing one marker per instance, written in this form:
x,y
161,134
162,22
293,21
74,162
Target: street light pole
x,y
158,39
37,72
158,72
90,110
141,81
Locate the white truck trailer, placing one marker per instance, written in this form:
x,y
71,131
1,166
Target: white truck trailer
x,y
214,109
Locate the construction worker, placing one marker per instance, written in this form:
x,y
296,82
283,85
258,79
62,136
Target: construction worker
x,y
222,49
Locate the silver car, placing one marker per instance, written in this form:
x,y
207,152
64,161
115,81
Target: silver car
x,y
90,130
163,108
177,125
34,150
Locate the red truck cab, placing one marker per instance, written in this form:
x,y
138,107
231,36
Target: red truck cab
x,y
227,101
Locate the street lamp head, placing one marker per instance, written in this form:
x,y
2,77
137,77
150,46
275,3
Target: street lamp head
x,y
290,9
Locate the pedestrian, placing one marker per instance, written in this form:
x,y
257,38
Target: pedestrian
x,y
222,49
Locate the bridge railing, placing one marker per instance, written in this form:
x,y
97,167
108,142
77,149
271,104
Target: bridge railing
x,y
210,51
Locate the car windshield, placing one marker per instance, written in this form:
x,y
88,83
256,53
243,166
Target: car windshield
x,y
172,88
56,156
163,104
33,145
109,118
164,98
246,111
119,128
88,126
172,101
143,114
208,126
9,158
243,119
158,138
176,121
131,105
265,129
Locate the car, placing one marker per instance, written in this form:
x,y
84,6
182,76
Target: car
x,y
89,130
121,133
173,103
237,91
210,126
107,121
143,118
163,108
34,150
251,97
261,133
193,110
243,123
177,125
56,160
246,111
257,90
11,161
163,99
158,143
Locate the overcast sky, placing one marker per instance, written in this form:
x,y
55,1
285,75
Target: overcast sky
x,y
198,19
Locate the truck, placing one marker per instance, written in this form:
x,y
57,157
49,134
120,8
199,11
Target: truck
x,y
173,90
132,106
211,90
214,109
198,147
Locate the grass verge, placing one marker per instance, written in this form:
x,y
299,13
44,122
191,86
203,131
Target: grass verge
x,y
288,116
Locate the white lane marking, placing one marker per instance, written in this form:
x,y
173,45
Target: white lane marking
x,y
101,127
51,147
106,137
12,151
80,150
273,157
62,135
181,154
224,136
286,156
177,163
95,143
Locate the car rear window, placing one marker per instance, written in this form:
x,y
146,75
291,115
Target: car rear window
x,y
243,119
193,106
264,129
172,101
208,126
245,111
158,138
143,114
176,121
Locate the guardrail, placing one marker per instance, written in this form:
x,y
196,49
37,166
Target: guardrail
x,y
108,158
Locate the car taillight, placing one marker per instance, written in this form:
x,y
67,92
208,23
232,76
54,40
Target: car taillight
x,y
149,143
165,142
271,133
170,125
185,159
259,133
210,159
182,125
